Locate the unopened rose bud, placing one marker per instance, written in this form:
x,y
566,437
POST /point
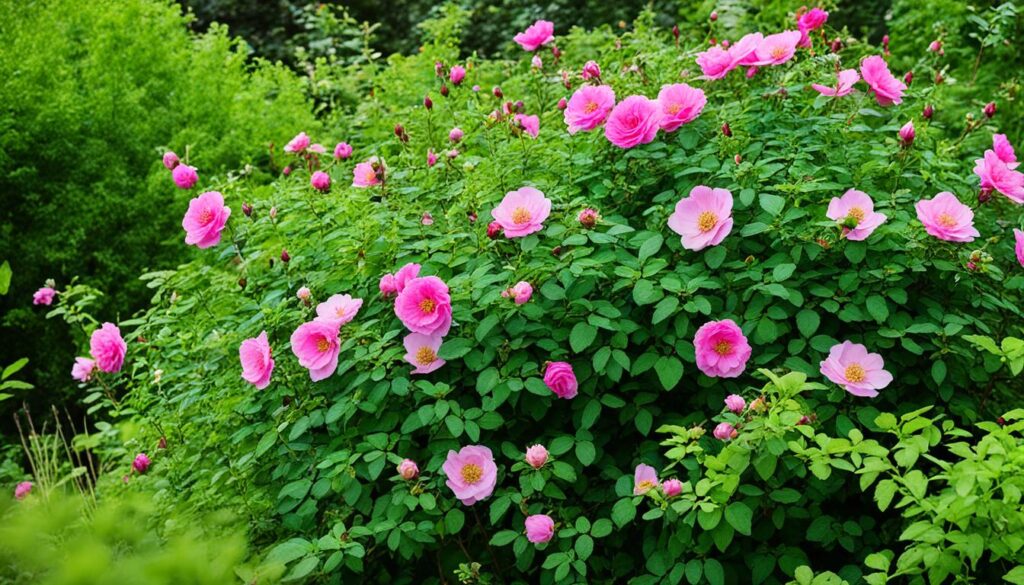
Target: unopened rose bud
x,y
938,78
497,92
286,171
675,33
303,294
242,282
556,52
273,212
971,266
536,456
985,195
836,45
908,78
589,217
247,209
162,444
427,219
455,135
453,153
520,106
408,469
471,216
556,251
737,159
714,16
990,109
536,62
935,46
928,112
1001,421
726,130
562,104
493,230
444,90
428,103
320,181
285,257
170,160
907,134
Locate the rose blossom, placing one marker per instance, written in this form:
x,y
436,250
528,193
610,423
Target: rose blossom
x,y
539,528
108,348
423,306
342,151
679,104
717,62
536,456
735,403
907,134
521,292
588,217
725,432
774,49
645,479
634,121
671,487
1004,150
368,173
538,34
457,74
591,70
455,134
1019,247
316,344
184,176
205,220
297,144
338,309
855,211
721,348
860,373
704,218
529,124
888,90
946,218
471,473
522,212
408,469
257,364
22,490
810,20
170,160
303,293
141,463
83,369
320,181
43,296
421,351
559,377
588,107
995,173
844,84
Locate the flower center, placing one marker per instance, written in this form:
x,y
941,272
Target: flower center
x,y
323,345
855,373
340,312
371,176
205,216
856,213
520,215
471,473
425,356
706,221
673,109
778,52
590,108
645,485
946,220
723,347
428,306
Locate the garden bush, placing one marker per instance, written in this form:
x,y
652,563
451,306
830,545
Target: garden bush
x,y
737,371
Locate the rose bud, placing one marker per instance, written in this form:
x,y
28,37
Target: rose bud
x,y
908,78
170,160
714,16
493,230
247,209
726,130
907,134
562,104
444,90
928,112
497,92
427,103
589,217
285,257
990,109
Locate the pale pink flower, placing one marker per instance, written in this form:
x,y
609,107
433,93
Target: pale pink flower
x,y
721,348
536,62
297,144
22,490
427,219
860,373
170,160
522,212
424,306
342,151
725,432
844,84
205,220
368,173
455,134
1004,150
338,309
591,70
735,403
184,176
538,34
471,473
421,351
633,121
539,528
536,456
387,285
645,479
83,369
108,348
946,218
317,148
521,292
888,90
588,217
141,463
457,74
671,487
810,20
320,181
316,344
303,293
997,174
528,124
704,218
43,296
405,274
679,104
559,377
855,211
588,107
431,157
408,469
1018,249
774,49
717,62
257,365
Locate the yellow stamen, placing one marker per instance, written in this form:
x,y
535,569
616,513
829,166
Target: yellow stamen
x,y
706,221
520,215
428,305
673,109
590,107
645,485
723,347
425,356
946,220
857,214
323,345
471,473
855,373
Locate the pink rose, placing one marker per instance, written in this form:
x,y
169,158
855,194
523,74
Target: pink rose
x,y
184,176
108,348
774,49
421,351
457,74
455,134
338,310
717,62
205,220
725,432
996,173
43,296
423,306
1004,150
522,212
538,34
672,488
83,369
855,212
141,463
170,160
536,456
735,403
588,107
633,122
679,104
528,124
408,469
1018,249
342,151
387,285
521,292
860,373
721,348
297,144
645,479
888,90
316,344
471,473
320,181
560,378
844,84
303,293
369,173
704,218
257,364
22,490
539,528
946,218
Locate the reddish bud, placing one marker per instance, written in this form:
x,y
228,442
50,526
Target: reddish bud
x,y
247,209
726,130
928,112
497,92
714,16
427,103
444,90
990,109
493,230
562,104
284,256
908,78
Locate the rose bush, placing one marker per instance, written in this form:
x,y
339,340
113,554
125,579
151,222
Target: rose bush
x,y
696,344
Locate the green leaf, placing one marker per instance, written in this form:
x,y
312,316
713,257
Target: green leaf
x,y
669,370
773,204
714,572
1015,576
715,256
878,308
5,277
13,368
586,452
783,271
503,537
601,528
807,322
454,520
884,492
645,292
694,571
650,247
455,348
584,547
855,251
938,371
303,568
665,309
623,512
289,550
739,516
582,336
